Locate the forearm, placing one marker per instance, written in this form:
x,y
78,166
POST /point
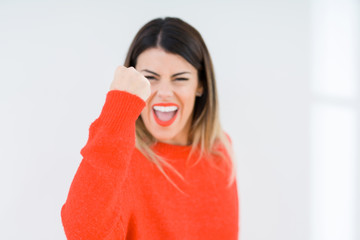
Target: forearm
x,y
93,206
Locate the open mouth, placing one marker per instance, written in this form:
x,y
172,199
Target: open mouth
x,y
165,113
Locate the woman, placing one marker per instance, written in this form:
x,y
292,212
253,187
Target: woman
x,y
157,164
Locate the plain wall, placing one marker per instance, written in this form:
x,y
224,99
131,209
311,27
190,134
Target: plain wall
x,y
57,60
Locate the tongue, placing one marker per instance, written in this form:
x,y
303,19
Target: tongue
x,y
164,116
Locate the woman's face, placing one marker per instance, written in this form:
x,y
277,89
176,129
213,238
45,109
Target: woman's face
x,y
174,85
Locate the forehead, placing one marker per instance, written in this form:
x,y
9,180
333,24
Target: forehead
x,y
162,62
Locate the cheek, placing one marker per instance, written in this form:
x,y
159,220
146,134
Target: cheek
x,y
153,88
188,99
145,113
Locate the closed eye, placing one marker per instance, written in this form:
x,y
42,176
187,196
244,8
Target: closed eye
x,y
181,79
151,77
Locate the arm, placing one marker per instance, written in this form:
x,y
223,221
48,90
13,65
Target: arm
x,y
93,206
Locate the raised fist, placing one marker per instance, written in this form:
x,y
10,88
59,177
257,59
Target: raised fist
x,y
130,80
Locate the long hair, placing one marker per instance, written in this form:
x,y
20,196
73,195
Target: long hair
x,y
178,37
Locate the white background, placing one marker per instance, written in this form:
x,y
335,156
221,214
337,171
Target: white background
x,y
57,60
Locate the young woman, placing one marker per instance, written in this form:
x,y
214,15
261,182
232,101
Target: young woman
x,y
157,164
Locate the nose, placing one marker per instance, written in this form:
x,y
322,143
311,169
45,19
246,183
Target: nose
x,y
164,90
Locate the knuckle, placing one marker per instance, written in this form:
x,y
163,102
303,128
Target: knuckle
x,y
120,67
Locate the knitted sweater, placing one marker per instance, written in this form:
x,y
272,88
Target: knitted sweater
x,y
117,193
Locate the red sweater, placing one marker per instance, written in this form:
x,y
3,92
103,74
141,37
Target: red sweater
x,y
117,193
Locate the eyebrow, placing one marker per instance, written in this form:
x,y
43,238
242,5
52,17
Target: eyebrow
x,y
174,75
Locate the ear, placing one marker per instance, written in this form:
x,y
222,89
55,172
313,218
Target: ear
x,y
199,91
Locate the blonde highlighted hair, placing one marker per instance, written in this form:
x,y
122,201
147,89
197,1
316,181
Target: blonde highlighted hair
x,y
206,134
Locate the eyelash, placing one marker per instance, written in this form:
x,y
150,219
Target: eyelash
x,y
150,77
178,79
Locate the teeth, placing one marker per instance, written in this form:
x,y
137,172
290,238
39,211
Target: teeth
x,y
165,109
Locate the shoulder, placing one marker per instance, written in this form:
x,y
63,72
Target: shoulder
x,y
223,143
228,137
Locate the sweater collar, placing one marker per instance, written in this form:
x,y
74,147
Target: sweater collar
x,y
172,150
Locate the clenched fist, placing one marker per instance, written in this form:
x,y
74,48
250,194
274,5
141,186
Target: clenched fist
x,y
130,80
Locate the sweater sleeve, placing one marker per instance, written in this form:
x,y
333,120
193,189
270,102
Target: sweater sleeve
x,y
93,205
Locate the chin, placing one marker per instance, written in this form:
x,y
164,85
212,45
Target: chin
x,y
163,137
